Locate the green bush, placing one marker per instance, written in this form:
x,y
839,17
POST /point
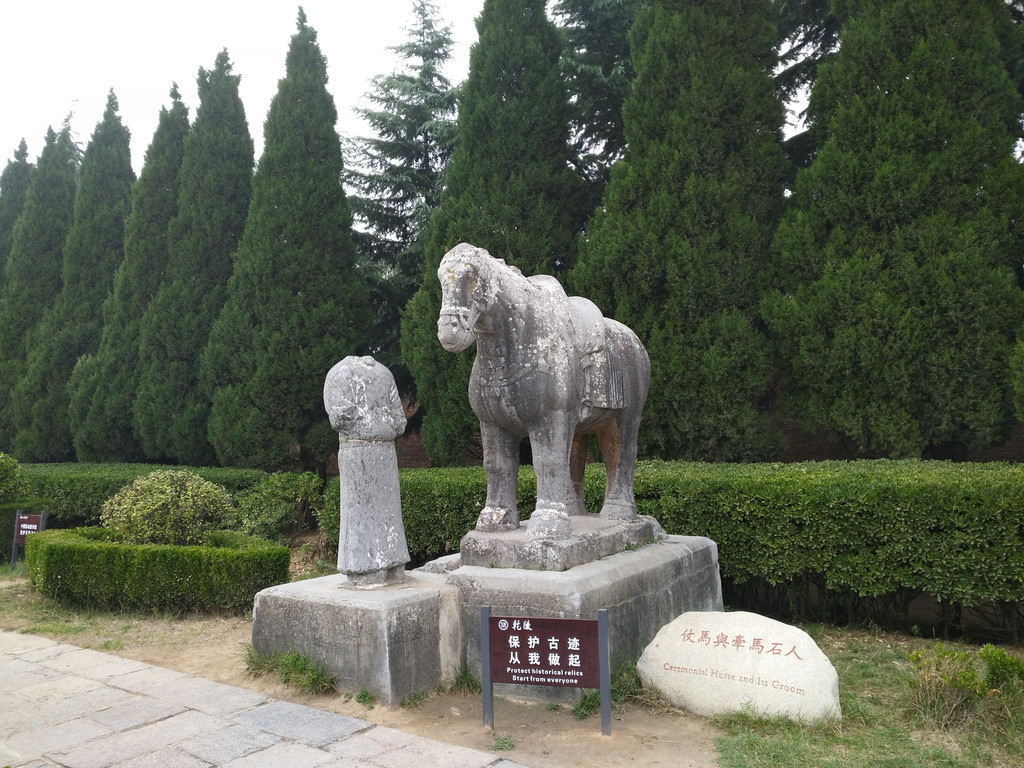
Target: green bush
x,y
166,507
11,481
951,686
76,492
282,503
86,568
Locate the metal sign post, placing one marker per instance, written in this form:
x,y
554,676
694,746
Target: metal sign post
x,y
568,653
23,526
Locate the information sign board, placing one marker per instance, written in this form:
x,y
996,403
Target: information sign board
x,y
561,652
527,650
26,524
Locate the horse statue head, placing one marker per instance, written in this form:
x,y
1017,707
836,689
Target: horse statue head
x,y
468,290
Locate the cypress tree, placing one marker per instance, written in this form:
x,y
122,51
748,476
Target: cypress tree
x,y
678,250
399,178
170,410
33,269
103,385
509,188
14,183
599,71
897,259
71,327
295,302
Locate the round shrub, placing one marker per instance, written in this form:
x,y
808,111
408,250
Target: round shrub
x,y
166,507
10,478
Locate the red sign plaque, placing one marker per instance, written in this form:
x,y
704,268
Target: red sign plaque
x,y
541,651
26,524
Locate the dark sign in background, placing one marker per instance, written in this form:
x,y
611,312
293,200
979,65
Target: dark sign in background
x,y
23,526
26,524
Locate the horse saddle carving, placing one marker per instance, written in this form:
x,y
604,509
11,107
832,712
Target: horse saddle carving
x,y
601,385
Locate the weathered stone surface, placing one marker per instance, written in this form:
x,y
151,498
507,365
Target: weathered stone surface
x,y
642,589
718,663
551,367
395,641
363,404
592,538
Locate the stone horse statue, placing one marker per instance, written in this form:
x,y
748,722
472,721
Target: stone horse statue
x,y
551,367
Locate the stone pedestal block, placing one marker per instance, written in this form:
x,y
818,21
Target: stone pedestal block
x,y
592,538
393,641
643,590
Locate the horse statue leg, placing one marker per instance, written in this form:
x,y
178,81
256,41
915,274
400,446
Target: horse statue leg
x,y
619,453
618,436
501,462
552,445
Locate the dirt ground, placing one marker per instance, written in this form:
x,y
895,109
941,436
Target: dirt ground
x,y
214,649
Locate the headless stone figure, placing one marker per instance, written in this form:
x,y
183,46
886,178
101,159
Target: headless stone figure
x,y
363,405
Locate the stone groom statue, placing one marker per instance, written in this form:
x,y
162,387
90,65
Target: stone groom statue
x,y
551,367
363,405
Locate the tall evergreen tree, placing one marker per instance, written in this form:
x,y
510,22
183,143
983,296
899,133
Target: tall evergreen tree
x,y
14,183
170,410
71,327
33,269
397,174
296,304
896,261
103,385
509,188
599,71
679,249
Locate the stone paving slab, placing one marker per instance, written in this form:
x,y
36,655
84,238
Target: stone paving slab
x,y
121,746
37,741
388,748
313,726
114,713
227,744
207,696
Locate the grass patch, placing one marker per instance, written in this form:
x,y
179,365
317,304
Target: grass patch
x,y
414,700
893,699
366,698
503,743
464,682
292,668
626,690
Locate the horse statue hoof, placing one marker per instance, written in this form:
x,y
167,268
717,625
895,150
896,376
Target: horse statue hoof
x,y
549,524
618,510
494,520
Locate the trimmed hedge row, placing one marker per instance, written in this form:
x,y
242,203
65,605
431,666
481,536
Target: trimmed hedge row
x,y
955,531
851,532
83,567
76,492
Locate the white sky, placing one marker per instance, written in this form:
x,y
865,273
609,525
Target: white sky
x,y
62,57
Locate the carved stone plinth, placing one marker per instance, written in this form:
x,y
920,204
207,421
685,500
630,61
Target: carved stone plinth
x,y
643,589
394,641
592,538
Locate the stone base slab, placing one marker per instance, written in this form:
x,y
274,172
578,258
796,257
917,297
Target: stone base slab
x,y
394,641
592,538
643,590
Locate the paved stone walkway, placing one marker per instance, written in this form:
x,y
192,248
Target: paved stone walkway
x,y
66,706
